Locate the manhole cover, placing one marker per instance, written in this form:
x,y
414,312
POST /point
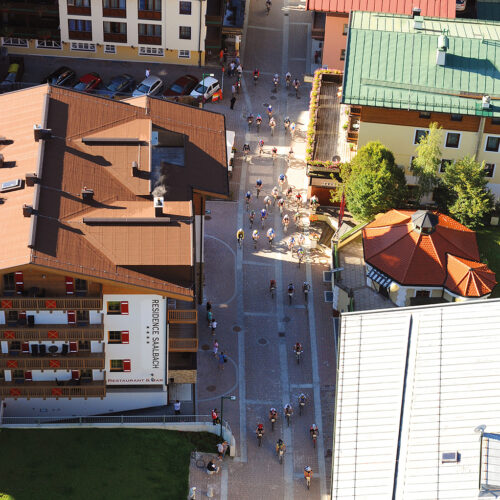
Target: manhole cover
x,y
205,347
211,388
281,334
286,319
273,97
262,341
208,217
236,328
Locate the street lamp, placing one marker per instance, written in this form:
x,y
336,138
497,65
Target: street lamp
x,y
203,75
232,398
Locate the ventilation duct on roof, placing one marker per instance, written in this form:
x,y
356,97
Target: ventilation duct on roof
x,y
31,179
87,194
443,44
135,169
27,210
41,133
1,160
158,204
486,102
415,12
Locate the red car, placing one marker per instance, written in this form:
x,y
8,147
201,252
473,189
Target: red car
x,y
182,86
88,82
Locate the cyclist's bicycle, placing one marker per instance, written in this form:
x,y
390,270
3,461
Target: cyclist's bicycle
x,y
260,433
314,437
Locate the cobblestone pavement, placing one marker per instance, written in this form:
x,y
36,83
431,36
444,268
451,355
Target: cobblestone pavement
x,y
256,331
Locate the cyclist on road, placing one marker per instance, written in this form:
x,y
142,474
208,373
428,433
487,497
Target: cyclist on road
x,y
240,234
285,221
275,152
261,146
272,124
256,74
280,446
308,475
248,198
263,216
302,399
260,430
255,237
270,235
306,288
275,193
273,414
288,78
268,6
272,286
286,123
291,244
269,111
288,410
281,204
267,202
246,149
258,122
251,218
296,85
314,431
258,185
297,348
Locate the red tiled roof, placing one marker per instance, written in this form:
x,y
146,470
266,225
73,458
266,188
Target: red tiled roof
x,y
430,8
469,278
412,258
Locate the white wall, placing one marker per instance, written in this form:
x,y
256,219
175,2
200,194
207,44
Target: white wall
x,y
147,350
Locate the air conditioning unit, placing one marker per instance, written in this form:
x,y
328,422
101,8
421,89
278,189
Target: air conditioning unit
x,y
450,457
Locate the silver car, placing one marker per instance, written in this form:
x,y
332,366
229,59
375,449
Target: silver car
x,y
152,85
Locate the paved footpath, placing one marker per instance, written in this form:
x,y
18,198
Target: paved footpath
x,y
256,331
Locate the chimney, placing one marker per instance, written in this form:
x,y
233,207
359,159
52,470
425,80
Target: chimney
x,y
443,44
87,194
135,169
31,179
415,12
1,160
486,102
41,133
158,204
27,210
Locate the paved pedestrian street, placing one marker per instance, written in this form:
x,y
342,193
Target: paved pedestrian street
x,y
258,332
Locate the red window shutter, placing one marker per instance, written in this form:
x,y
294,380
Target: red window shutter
x,y
75,374
73,347
28,376
19,281
126,365
70,285
125,337
21,315
124,307
71,317
25,347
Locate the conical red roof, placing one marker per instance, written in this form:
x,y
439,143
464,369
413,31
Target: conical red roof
x,y
469,278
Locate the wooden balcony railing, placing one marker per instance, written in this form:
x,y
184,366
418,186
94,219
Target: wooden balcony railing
x,y
182,345
52,390
106,12
52,303
149,14
149,40
115,37
78,11
51,332
80,35
183,316
82,360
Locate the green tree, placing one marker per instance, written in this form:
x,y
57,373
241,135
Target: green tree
x,y
372,182
469,200
427,161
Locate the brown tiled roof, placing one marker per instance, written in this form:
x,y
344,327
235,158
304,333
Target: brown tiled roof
x,y
469,278
392,245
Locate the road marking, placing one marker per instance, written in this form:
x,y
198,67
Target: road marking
x,y
265,28
251,313
269,404
297,59
253,263
223,483
301,386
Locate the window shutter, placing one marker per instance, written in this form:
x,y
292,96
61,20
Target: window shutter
x,y
21,315
126,365
125,337
75,374
28,376
73,347
71,317
70,285
124,307
19,282
25,347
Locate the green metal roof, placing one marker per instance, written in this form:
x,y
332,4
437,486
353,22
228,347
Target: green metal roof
x,y
488,9
392,64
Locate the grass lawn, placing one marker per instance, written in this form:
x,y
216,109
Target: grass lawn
x,y
488,240
95,464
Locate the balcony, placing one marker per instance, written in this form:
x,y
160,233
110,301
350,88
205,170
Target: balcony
x,y
152,15
114,12
217,20
38,333
79,11
115,37
80,35
182,330
19,303
82,360
47,9
149,40
36,32
90,389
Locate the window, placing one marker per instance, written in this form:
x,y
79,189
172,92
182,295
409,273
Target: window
x,y
79,3
120,365
424,114
82,317
117,307
495,121
17,374
80,25
12,317
456,118
2,375
342,55
113,4
81,286
422,293
118,337
48,44
444,164
184,54
84,345
115,28
344,30
151,5
15,346
489,169
492,144
419,134
109,49
86,374
9,282
185,8
150,29
83,46
185,32
452,140
150,51
15,42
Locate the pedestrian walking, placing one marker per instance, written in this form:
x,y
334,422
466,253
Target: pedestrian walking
x,y
214,326
221,56
215,348
225,444
225,54
222,360
220,449
233,89
210,318
147,72
239,69
233,102
209,306
232,66
237,61
177,407
215,417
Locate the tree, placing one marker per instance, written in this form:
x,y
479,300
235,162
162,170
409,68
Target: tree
x,y
425,165
372,182
469,200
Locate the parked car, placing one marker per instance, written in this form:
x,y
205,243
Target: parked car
x,y
182,86
14,73
152,85
121,84
461,5
90,81
61,76
206,88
